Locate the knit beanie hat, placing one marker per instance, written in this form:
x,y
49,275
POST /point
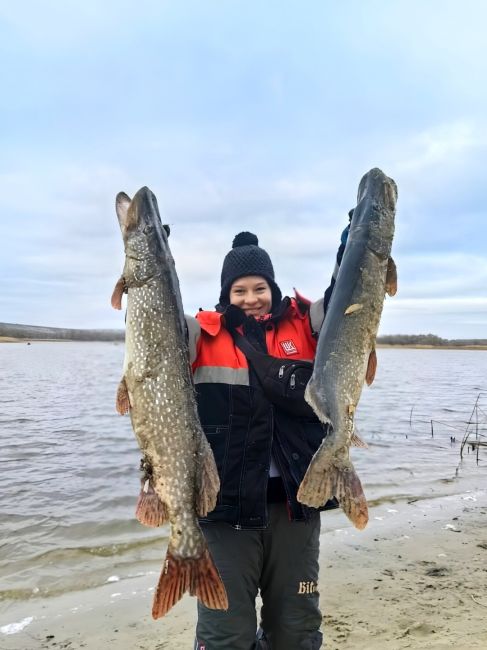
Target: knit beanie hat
x,y
247,258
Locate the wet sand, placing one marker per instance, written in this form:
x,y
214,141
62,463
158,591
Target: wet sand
x,y
414,578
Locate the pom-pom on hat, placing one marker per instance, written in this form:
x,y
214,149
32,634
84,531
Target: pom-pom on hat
x,y
247,258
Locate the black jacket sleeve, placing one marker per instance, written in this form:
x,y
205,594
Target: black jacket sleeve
x,y
318,308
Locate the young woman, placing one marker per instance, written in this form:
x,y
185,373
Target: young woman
x,y
261,538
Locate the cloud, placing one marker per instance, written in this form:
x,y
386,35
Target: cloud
x,y
445,317
439,274
240,122
443,145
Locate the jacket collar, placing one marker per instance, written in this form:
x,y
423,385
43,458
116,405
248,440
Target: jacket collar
x,y
211,322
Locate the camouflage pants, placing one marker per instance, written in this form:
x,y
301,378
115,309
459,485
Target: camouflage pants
x,y
281,562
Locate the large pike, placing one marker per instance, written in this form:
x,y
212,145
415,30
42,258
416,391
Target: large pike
x,y
157,389
345,356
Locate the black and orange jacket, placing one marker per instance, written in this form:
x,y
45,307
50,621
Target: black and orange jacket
x,y
244,429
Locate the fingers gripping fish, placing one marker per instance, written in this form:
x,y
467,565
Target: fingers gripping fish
x,y
345,356
157,389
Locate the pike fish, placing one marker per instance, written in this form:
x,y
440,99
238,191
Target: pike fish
x,y
181,481
345,356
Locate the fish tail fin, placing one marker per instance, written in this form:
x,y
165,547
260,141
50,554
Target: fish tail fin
x,y
208,481
351,496
207,585
317,486
199,576
322,482
150,510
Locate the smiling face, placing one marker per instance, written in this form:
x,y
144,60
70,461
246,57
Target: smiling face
x,y
253,294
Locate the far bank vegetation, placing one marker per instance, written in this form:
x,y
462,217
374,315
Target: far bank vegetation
x,y
429,340
16,332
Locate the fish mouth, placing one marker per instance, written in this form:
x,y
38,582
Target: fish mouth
x,y
377,177
140,214
139,211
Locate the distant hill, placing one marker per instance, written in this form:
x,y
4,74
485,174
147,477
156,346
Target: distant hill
x,y
34,332
428,340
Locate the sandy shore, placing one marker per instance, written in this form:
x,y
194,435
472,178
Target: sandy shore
x,y
414,578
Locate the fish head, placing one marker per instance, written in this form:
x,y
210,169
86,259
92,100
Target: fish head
x,y
376,226
144,236
375,181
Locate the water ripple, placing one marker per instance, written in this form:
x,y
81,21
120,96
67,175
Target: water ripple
x,y
69,469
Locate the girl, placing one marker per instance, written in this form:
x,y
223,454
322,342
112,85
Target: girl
x,y
261,538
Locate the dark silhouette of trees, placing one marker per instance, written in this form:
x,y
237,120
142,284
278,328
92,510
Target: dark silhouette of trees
x,y
34,332
427,339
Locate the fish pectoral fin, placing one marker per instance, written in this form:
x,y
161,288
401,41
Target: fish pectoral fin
x,y
118,291
371,367
150,510
207,479
351,309
122,401
391,278
197,575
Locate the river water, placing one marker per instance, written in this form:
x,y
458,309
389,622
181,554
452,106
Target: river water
x,y
69,464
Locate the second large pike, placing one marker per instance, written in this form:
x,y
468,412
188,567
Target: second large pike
x,y
157,388
345,357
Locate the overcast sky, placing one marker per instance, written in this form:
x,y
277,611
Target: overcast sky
x,y
259,116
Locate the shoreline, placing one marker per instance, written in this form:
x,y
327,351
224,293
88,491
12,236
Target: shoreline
x,y
414,578
417,346
11,339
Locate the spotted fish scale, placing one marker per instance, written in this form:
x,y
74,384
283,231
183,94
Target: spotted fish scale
x,y
181,480
345,356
